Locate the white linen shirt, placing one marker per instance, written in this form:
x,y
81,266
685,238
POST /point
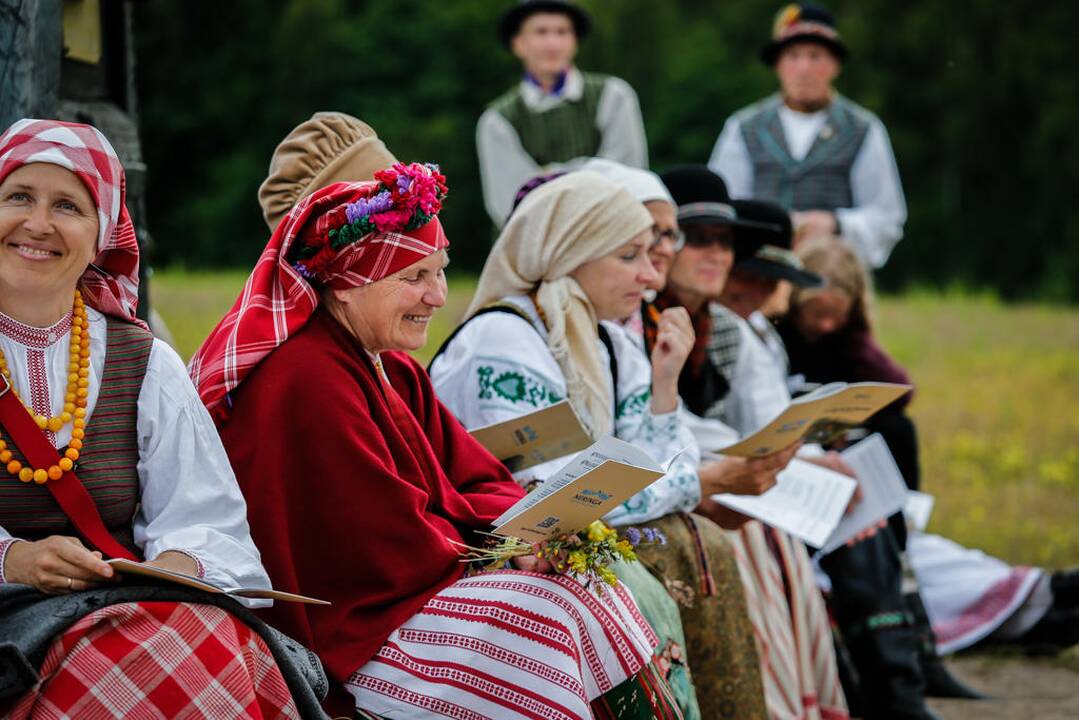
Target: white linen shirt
x,y
874,223
505,165
498,367
188,496
758,385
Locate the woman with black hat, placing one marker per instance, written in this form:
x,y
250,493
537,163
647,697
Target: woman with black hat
x,y
798,663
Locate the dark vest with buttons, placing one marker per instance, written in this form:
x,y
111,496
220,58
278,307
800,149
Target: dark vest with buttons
x,y
108,462
560,133
821,180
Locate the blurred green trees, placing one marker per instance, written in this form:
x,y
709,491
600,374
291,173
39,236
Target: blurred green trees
x,y
979,98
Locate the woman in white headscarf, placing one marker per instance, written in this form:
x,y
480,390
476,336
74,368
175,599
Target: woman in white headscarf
x,y
570,264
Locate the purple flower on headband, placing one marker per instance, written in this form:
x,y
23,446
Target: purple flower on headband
x,y
364,207
404,183
634,536
649,535
303,270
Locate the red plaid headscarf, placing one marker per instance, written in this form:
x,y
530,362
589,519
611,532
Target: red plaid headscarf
x,y
277,299
111,283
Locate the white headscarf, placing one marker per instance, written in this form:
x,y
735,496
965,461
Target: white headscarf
x,y
644,185
558,227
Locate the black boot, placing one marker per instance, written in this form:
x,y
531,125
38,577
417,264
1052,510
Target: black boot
x,y
877,629
1057,630
1065,587
939,681
890,678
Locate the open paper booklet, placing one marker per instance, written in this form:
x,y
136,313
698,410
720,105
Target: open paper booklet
x,y
807,501
595,482
883,491
810,502
127,567
535,438
819,417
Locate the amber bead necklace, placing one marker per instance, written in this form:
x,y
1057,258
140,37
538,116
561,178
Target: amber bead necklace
x,y
74,411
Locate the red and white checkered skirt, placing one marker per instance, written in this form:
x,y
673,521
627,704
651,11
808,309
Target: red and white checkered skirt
x,y
158,660
507,645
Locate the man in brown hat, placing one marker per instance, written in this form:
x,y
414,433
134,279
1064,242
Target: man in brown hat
x,y
556,117
810,150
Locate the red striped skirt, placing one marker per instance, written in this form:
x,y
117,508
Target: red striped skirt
x,y
158,660
794,639
507,645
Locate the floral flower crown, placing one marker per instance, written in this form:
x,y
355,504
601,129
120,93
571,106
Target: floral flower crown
x,y
406,197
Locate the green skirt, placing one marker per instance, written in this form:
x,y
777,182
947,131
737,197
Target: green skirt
x,y
661,612
699,570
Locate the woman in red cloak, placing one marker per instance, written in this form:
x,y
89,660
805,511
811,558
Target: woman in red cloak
x,y
359,481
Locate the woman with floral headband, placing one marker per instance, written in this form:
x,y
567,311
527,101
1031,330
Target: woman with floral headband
x,y
122,461
360,483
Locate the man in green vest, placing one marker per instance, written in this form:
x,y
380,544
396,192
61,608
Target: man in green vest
x,y
556,117
812,151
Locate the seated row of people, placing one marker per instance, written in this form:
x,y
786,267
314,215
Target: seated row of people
x,y
356,478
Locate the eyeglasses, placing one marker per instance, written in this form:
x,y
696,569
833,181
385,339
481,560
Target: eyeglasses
x,y
677,237
704,236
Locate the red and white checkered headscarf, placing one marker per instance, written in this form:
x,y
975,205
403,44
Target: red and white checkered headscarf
x,y
111,283
278,299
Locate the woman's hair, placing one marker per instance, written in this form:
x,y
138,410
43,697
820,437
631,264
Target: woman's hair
x,y
833,259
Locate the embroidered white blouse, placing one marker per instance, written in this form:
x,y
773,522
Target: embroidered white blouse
x,y
499,367
189,500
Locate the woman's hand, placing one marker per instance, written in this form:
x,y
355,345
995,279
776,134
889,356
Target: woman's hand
x,y
674,341
175,562
721,514
740,476
531,563
58,564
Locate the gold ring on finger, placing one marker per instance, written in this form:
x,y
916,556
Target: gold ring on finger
x,y
70,581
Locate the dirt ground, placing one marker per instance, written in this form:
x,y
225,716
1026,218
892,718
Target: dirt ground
x,y
1024,688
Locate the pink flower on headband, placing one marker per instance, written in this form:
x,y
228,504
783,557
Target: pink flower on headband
x,y
406,197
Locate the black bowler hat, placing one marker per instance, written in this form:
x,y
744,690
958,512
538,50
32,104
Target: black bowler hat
x,y
767,251
510,23
702,198
803,23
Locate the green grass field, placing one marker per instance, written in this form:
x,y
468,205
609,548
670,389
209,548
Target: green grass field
x,y
996,405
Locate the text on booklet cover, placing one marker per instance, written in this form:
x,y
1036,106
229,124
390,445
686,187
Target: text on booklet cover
x,y
528,440
596,481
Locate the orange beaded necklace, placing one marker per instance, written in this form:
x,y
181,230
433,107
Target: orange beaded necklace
x,y
78,384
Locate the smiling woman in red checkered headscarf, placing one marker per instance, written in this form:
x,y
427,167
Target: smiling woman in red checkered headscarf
x,y
378,228
83,382
359,481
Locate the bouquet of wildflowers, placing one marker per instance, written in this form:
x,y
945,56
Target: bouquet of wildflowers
x,y
586,554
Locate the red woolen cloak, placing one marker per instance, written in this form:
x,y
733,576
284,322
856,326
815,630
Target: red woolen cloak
x,y
345,504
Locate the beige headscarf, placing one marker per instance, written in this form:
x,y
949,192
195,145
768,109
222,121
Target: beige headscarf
x,y
557,228
330,147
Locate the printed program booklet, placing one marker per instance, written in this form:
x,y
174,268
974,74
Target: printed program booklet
x,y
810,502
807,501
527,440
127,567
599,479
883,491
819,417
